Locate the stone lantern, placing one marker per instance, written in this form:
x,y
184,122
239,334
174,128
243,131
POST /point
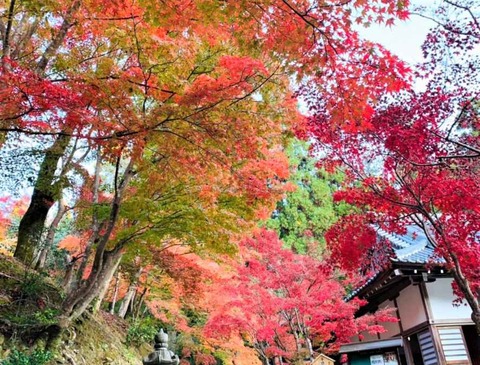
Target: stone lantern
x,y
161,354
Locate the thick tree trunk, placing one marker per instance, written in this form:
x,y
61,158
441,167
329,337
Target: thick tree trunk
x,y
78,300
31,226
45,193
476,320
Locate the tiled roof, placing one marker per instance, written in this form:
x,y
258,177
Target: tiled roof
x,y
412,247
354,292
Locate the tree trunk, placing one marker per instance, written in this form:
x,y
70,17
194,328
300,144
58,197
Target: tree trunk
x,y
259,348
126,301
451,257
131,307
45,193
95,219
115,292
298,345
104,262
466,289
130,295
79,300
310,348
136,313
104,287
67,279
48,244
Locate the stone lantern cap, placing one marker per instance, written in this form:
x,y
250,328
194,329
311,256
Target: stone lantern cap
x,y
161,354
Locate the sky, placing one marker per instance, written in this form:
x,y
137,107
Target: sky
x,y
403,39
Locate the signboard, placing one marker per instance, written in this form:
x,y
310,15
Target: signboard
x,y
388,358
377,360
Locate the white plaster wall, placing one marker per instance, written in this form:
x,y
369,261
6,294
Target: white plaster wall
x,y
440,297
392,328
410,307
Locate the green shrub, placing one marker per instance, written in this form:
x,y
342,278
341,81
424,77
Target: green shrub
x,y
141,331
221,357
36,357
31,287
47,316
195,318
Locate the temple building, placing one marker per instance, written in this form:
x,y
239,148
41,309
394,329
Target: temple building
x,y
431,330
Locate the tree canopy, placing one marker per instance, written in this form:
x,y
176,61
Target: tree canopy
x,y
417,161
306,213
162,130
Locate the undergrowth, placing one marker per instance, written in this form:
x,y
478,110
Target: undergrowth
x,y
35,357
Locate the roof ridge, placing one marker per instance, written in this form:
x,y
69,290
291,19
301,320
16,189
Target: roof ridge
x,y
413,247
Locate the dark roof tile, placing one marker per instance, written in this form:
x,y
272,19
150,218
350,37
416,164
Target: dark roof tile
x,y
412,247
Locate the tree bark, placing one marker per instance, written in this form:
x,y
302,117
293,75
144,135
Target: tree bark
x,y
460,279
45,193
310,348
104,287
47,245
67,279
466,289
57,40
115,292
136,313
78,300
45,189
95,220
130,294
105,261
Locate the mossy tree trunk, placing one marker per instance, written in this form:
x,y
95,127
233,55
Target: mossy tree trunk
x,y
46,191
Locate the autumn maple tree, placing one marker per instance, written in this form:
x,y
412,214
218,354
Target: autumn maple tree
x,y
415,158
134,105
285,304
165,120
